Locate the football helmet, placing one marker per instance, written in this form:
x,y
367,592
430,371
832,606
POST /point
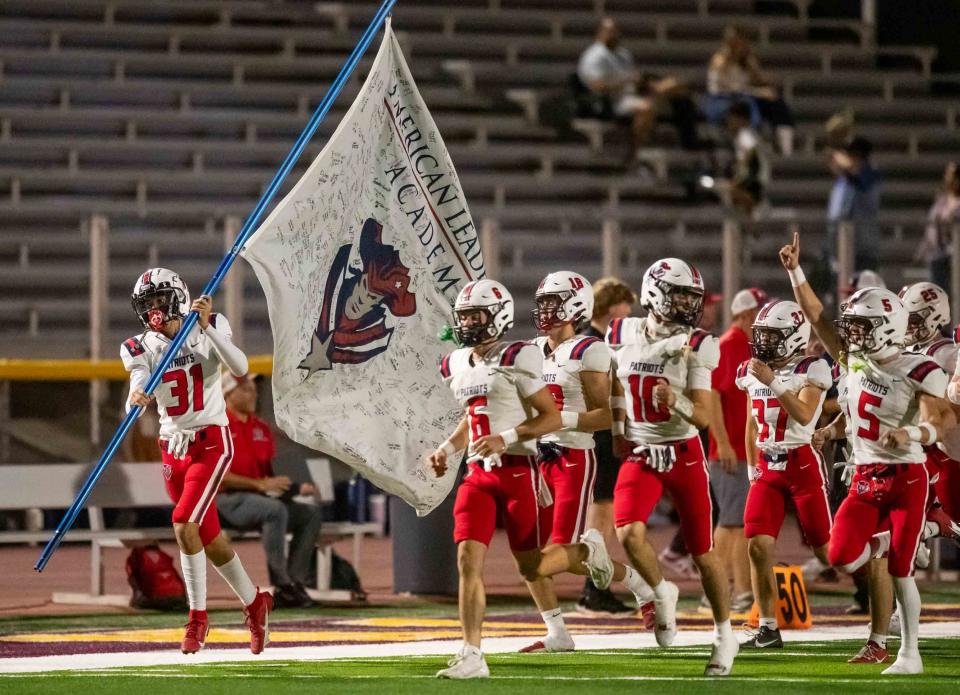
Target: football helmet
x,y
563,297
874,322
780,331
159,295
928,309
672,289
492,300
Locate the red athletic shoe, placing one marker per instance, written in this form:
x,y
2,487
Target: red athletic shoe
x,y
872,653
258,620
648,613
196,633
947,527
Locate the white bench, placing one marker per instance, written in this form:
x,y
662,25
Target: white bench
x,y
137,485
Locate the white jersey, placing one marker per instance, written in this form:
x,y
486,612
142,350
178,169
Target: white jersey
x,y
493,390
879,398
561,373
776,430
641,361
942,351
189,395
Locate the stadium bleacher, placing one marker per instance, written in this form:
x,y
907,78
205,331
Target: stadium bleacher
x,y
168,116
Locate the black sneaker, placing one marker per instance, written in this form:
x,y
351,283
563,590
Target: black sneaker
x,y
765,638
603,602
287,596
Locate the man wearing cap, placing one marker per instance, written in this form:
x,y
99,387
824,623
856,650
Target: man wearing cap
x,y
728,465
252,497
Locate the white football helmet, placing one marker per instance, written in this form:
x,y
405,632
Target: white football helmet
x,y
563,297
493,300
673,290
929,310
780,331
159,295
874,322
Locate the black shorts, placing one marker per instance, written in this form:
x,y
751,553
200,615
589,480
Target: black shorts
x,y
608,467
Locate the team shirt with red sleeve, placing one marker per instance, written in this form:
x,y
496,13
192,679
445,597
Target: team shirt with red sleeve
x,y
561,374
879,398
776,430
253,447
734,350
942,351
683,359
493,390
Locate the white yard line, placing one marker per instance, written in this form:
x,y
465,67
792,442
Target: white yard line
x,y
494,645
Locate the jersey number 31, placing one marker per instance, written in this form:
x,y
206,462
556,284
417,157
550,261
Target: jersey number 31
x,y
181,390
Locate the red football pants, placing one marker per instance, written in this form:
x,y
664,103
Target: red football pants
x,y
570,480
947,485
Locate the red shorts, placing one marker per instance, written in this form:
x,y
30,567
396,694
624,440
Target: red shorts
x,y
639,488
805,482
510,491
881,492
570,479
945,472
193,481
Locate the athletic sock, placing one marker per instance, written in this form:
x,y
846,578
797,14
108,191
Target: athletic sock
x,y
637,586
769,623
723,630
660,590
195,577
908,601
553,619
238,579
879,639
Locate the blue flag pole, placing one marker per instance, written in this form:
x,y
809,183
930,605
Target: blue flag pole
x,y
249,226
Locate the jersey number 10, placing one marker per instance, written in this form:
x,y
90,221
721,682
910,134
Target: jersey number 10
x,y
646,409
181,390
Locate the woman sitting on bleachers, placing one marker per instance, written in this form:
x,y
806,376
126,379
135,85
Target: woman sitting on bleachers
x,y
735,75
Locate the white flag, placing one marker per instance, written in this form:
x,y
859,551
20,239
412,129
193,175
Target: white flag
x,y
361,263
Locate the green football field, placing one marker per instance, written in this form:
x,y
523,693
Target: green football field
x,y
802,667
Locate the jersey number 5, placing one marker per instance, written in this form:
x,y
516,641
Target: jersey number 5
x,y
181,390
647,410
872,430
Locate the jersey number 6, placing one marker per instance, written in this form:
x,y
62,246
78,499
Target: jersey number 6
x,y
181,390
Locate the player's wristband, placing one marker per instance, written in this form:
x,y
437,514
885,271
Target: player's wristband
x,y
683,406
617,428
778,388
915,432
510,436
448,448
618,403
797,277
569,419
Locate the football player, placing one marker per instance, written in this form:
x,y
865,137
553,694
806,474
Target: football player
x,y
661,397
195,442
507,407
576,370
786,391
894,405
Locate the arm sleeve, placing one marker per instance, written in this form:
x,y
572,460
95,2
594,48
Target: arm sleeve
x,y
528,370
934,383
703,361
230,355
596,358
698,378
819,375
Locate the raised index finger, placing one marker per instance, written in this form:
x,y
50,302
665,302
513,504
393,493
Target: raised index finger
x,y
796,241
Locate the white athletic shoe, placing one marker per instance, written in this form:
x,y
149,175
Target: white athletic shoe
x,y
894,629
598,561
905,665
721,657
467,663
665,612
550,643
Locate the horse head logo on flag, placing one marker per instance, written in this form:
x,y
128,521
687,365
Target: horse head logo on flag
x,y
352,326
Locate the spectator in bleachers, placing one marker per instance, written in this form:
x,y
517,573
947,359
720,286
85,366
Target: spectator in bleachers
x,y
252,497
943,215
734,75
854,199
750,173
607,70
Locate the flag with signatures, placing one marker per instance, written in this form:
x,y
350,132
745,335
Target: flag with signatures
x,y
360,264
